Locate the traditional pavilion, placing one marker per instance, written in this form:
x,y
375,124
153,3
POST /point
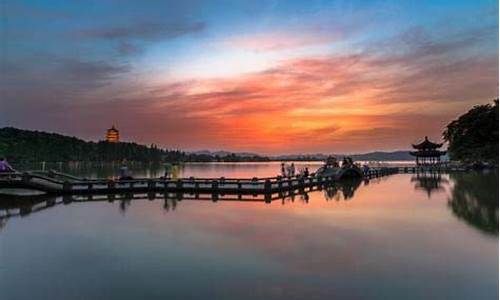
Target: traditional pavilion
x,y
427,153
112,135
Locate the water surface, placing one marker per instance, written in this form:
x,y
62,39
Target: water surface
x,y
399,237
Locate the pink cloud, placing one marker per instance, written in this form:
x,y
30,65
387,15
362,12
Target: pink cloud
x,y
331,104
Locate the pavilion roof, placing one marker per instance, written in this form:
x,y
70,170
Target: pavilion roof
x,y
426,144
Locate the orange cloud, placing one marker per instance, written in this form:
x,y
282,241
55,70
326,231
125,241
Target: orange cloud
x,y
337,103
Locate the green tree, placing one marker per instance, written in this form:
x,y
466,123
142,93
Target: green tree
x,y
473,137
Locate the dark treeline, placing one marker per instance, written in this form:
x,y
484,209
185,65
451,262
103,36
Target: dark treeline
x,y
473,137
32,146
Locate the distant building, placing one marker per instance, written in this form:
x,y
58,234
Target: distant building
x,y
427,153
113,135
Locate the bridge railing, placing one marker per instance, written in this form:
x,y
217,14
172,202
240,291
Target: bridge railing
x,y
52,180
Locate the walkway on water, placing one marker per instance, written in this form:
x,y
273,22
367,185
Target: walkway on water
x,y
52,182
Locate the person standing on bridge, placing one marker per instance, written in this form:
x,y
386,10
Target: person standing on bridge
x,y
124,172
283,169
5,167
366,168
168,171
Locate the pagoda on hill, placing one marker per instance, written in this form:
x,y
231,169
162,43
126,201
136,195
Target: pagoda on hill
x,y
427,153
112,135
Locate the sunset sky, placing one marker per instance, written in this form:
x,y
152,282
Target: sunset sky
x,y
263,76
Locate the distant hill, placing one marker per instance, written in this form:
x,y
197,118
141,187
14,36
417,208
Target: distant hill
x,y
370,156
375,156
222,153
386,156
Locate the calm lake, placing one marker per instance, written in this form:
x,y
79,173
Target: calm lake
x,y
404,236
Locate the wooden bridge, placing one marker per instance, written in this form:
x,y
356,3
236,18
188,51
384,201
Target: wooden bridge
x,y
52,182
12,206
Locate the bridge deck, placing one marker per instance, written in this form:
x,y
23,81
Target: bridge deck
x,y
58,183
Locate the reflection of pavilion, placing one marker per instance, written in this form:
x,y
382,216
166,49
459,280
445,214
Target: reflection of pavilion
x,y
429,182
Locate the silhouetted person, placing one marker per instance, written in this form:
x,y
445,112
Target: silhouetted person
x,y
124,173
292,169
168,171
5,167
306,172
283,170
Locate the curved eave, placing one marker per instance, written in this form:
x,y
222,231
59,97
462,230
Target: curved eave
x,y
427,145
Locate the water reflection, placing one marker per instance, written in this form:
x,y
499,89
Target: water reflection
x,y
474,199
15,206
387,241
343,191
429,182
156,170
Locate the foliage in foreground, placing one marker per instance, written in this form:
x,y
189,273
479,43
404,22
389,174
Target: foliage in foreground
x,y
473,137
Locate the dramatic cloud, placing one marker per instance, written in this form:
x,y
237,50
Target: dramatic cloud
x,y
145,31
91,71
325,86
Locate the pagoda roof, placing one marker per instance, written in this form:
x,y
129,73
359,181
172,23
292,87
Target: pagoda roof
x,y
426,144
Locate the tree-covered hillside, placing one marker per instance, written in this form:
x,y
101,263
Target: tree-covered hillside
x,y
31,146
25,145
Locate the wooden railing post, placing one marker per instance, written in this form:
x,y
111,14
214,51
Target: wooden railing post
x,y
66,186
267,186
301,182
111,184
26,177
215,190
267,198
